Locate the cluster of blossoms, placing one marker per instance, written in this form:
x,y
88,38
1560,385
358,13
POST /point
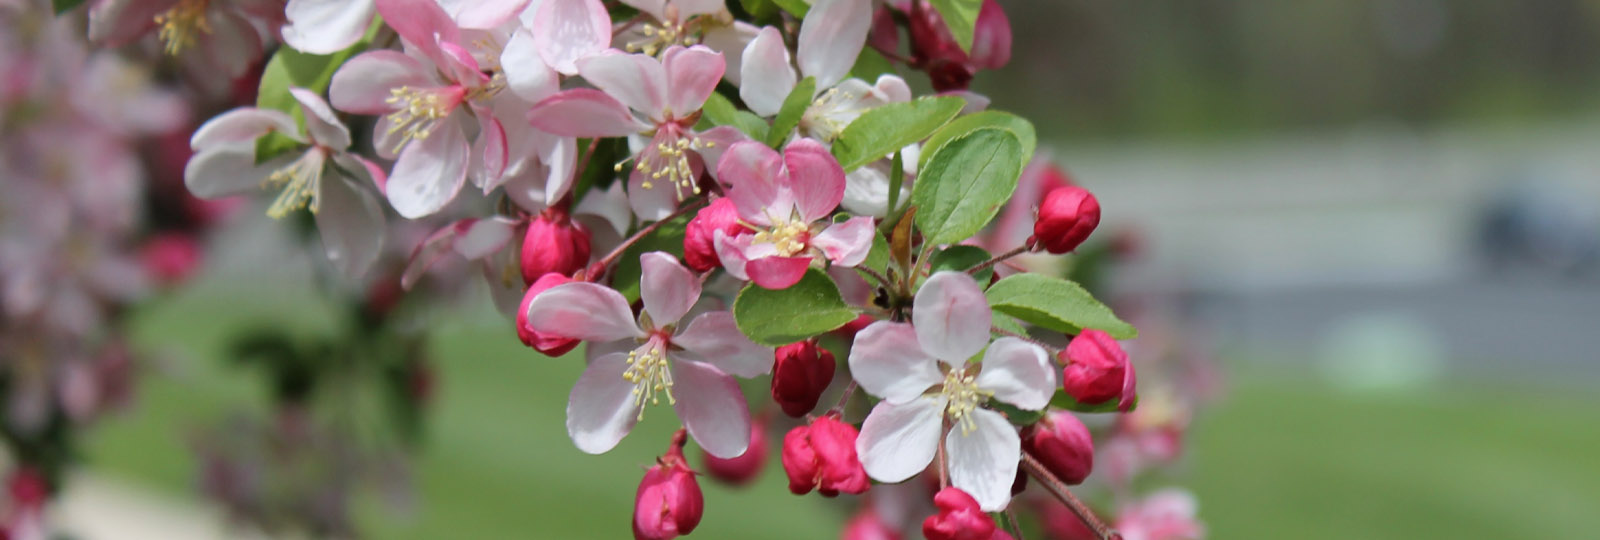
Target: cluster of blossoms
x,y
700,191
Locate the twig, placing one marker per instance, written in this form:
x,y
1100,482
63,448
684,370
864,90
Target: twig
x,y
687,206
997,258
1059,489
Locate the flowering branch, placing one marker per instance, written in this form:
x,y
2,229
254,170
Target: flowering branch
x,y
605,262
1059,489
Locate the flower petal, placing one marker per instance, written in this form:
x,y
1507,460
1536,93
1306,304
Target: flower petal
x,y
363,84
601,409
887,362
488,14
650,204
637,80
767,78
321,123
666,287
846,244
242,126
983,463
777,272
565,31
815,178
429,172
423,24
730,251
751,174
711,407
326,26
714,141
229,170
831,36
527,75
584,311
715,339
1018,373
350,221
952,317
730,40
585,112
692,74
899,440
690,8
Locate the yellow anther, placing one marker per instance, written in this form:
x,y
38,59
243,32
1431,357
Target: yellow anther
x,y
669,160
651,377
300,181
789,238
962,395
417,113
180,24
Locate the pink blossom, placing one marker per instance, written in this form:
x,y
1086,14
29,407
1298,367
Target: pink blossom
x,y
1164,515
959,518
822,456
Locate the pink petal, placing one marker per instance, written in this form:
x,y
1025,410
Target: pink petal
x,y
585,112
350,221
815,178
690,8
429,172
565,31
358,164
321,123
229,170
492,139
899,440
846,244
527,74
831,36
983,463
752,175
488,14
560,155
583,311
114,23
731,40
652,204
458,65
601,409
484,237
889,363
692,74
952,317
730,251
1019,373
363,84
233,47
711,407
715,339
242,126
766,74
715,141
422,23
634,79
432,248
777,272
666,287
326,26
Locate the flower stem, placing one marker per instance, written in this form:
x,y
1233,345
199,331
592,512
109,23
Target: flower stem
x,y
844,398
599,267
1059,489
997,258
1012,525
944,461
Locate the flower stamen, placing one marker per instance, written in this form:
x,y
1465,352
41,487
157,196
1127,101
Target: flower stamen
x,y
299,181
180,25
651,378
419,111
963,396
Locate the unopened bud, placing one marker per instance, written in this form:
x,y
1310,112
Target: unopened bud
x,y
547,344
669,503
822,456
959,518
1063,445
170,258
1067,216
1097,370
699,236
868,525
800,373
554,244
991,37
740,470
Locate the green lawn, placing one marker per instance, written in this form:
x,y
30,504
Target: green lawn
x,y
1277,459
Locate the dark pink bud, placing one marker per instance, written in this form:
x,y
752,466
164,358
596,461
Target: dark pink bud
x,y
1066,217
800,372
991,38
959,518
884,36
554,244
930,38
1097,369
740,470
547,344
170,258
699,237
1063,445
949,75
822,456
28,488
669,503
848,331
867,525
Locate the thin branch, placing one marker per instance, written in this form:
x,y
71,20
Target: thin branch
x,y
998,258
687,206
1059,489
1046,346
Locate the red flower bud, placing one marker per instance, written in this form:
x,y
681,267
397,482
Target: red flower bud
x,y
848,331
959,518
991,37
669,503
867,525
740,470
800,372
1097,370
554,244
1063,445
549,345
699,236
822,456
1066,217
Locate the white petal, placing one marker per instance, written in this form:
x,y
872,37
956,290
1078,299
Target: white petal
x,y
326,26
241,126
321,123
983,463
637,80
765,73
220,172
430,172
899,441
601,409
831,36
1018,373
666,287
714,338
730,40
952,317
711,407
584,311
351,223
526,73
889,363
568,30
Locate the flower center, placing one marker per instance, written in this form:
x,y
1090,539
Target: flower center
x,y
830,113
419,110
669,158
962,394
788,237
657,37
180,24
649,373
299,181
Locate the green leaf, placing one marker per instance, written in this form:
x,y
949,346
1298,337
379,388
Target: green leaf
x,y
668,238
780,317
878,257
1007,323
759,9
1017,417
1056,304
883,130
870,64
962,18
793,108
959,258
966,124
798,8
721,112
63,6
1062,400
275,144
965,183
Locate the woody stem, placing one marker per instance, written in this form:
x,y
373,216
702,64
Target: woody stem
x,y
1059,489
600,267
997,258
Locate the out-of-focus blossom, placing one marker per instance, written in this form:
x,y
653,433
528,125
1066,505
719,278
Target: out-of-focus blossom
x,y
1063,445
740,471
1164,515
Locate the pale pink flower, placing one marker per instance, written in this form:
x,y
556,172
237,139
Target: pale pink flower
x,y
221,35
1168,514
925,372
691,365
784,199
326,26
347,214
673,24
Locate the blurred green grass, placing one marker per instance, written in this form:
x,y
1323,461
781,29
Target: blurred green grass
x,y
1279,457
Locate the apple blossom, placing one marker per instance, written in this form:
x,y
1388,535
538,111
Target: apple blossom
x,y
547,345
668,503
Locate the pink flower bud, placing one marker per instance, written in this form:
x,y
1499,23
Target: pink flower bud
x,y
867,525
669,503
170,258
848,331
991,37
27,488
699,237
1063,445
959,518
800,372
822,456
554,244
1066,217
1097,369
547,344
884,35
740,470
